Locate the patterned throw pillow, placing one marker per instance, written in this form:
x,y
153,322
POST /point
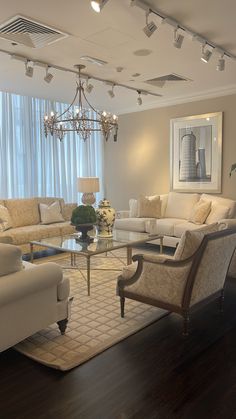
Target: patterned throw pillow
x,y
51,213
5,219
191,240
200,212
150,208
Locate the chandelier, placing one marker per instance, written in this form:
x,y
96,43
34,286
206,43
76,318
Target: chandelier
x,y
81,118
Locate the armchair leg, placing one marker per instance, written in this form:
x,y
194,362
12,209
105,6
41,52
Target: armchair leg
x,y
186,324
62,324
221,301
122,306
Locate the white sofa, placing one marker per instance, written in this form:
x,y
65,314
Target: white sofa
x,y
175,213
31,297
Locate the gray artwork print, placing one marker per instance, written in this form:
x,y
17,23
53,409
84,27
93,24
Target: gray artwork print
x,y
195,159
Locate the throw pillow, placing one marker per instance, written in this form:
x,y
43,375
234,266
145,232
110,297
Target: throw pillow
x,y
191,240
150,208
50,213
200,212
5,219
218,212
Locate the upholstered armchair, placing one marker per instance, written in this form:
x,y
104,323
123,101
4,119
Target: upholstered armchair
x,y
31,297
181,285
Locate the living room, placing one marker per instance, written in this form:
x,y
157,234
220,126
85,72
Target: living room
x,y
144,64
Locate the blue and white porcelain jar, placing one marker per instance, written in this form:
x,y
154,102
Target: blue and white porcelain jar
x,y
105,218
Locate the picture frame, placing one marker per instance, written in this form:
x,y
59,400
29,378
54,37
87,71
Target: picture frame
x,y
196,153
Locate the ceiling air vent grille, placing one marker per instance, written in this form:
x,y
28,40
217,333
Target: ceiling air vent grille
x,y
168,78
27,32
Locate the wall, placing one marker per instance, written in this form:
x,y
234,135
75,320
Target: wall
x,y
139,162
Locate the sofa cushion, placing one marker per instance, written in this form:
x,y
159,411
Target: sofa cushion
x,y
50,213
23,212
191,240
5,219
149,207
10,259
164,226
132,224
180,229
180,205
222,201
26,234
200,212
218,212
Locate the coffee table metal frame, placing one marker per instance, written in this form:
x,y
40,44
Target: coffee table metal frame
x,y
116,244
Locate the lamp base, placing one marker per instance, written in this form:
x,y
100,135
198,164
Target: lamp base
x,y
88,198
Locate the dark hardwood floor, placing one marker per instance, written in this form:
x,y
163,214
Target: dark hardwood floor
x,y
154,374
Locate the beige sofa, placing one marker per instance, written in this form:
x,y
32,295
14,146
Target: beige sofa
x,y
31,297
175,213
26,223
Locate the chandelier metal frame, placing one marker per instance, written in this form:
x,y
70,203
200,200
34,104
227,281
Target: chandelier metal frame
x,y
79,119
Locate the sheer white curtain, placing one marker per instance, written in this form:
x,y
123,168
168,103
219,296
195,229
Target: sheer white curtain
x,y
33,165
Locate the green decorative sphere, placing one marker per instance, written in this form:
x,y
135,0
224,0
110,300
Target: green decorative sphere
x,y
83,214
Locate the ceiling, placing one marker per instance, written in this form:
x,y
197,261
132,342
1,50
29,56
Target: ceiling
x,y
113,36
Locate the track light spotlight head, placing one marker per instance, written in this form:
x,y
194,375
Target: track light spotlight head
x,y
139,99
206,54
150,27
221,63
89,86
49,76
178,39
111,92
98,5
29,70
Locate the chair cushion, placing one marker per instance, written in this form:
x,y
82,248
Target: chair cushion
x,y
23,212
5,219
10,259
149,207
191,240
180,205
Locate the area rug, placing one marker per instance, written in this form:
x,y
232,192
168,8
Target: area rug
x,y
95,323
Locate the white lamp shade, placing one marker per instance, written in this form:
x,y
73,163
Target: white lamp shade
x,y
88,184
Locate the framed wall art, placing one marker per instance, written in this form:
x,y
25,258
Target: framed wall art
x,y
196,153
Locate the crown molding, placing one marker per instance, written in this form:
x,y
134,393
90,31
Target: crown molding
x,y
162,103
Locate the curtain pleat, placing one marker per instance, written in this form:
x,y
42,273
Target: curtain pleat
x,y
33,165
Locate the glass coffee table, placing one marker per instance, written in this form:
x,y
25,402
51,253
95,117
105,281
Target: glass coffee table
x,y
71,244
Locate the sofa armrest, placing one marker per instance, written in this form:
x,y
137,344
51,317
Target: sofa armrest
x,y
29,281
122,214
67,210
227,223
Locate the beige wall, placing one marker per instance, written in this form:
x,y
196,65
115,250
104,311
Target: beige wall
x,y
139,162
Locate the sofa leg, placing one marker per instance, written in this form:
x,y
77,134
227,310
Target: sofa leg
x,y
62,324
186,324
122,306
221,301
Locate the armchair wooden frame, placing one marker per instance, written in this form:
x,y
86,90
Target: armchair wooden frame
x,y
194,261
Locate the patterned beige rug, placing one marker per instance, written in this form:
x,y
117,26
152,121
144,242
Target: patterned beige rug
x,y
95,322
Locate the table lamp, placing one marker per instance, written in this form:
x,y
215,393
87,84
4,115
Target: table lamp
x,y
88,185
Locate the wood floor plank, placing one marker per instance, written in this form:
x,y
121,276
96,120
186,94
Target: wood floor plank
x,y
154,374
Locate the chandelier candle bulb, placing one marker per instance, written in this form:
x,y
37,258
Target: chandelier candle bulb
x,y
84,120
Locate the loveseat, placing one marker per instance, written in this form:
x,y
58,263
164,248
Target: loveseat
x,y
176,211
25,221
31,297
